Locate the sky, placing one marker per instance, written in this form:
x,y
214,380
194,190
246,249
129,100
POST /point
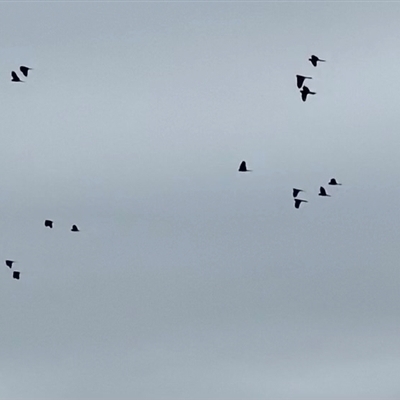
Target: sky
x,y
188,279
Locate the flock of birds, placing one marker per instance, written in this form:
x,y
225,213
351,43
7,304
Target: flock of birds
x,y
304,92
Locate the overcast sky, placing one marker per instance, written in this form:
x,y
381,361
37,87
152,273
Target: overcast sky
x,y
188,279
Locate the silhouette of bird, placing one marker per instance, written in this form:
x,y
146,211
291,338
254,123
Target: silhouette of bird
x,y
16,274
301,79
297,202
48,223
74,228
24,70
322,192
333,182
314,60
243,167
9,263
304,92
14,77
296,192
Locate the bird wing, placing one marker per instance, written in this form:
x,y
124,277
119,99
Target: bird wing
x,y
14,75
297,203
304,95
300,81
242,166
322,191
24,70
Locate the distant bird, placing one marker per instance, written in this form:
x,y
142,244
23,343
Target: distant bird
x,y
74,228
322,192
304,92
48,223
333,182
243,167
301,79
296,192
314,60
14,77
9,263
297,202
24,70
16,274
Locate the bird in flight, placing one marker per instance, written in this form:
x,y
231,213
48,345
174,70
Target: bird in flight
x,y
14,77
296,192
322,192
333,182
16,274
297,202
314,60
74,228
9,263
301,79
48,223
304,92
243,167
24,70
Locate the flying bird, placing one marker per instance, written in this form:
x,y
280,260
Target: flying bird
x,y
243,167
24,70
304,92
314,60
74,228
301,79
16,274
14,77
297,202
322,192
48,223
296,192
333,182
9,263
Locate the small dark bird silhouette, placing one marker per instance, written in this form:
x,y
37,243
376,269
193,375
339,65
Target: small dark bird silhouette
x,y
74,228
333,182
16,274
24,70
314,60
243,167
301,79
48,223
9,263
296,192
297,202
322,192
304,92
14,77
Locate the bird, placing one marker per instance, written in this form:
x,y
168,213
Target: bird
x,y
16,274
9,263
296,192
304,92
322,192
333,182
243,167
14,77
48,223
314,60
24,70
301,79
74,228
297,202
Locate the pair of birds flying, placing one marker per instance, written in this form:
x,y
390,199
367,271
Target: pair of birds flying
x,y
9,264
305,91
49,224
322,192
24,70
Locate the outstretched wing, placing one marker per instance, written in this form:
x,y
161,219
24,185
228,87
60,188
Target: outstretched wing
x,y
24,70
322,191
14,76
242,166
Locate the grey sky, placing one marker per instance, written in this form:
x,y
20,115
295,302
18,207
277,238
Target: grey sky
x,y
189,280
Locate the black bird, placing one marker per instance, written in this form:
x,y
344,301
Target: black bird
x,y
333,182
14,77
314,60
297,202
16,274
48,223
24,70
322,192
9,263
296,192
74,228
301,79
304,92
243,167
